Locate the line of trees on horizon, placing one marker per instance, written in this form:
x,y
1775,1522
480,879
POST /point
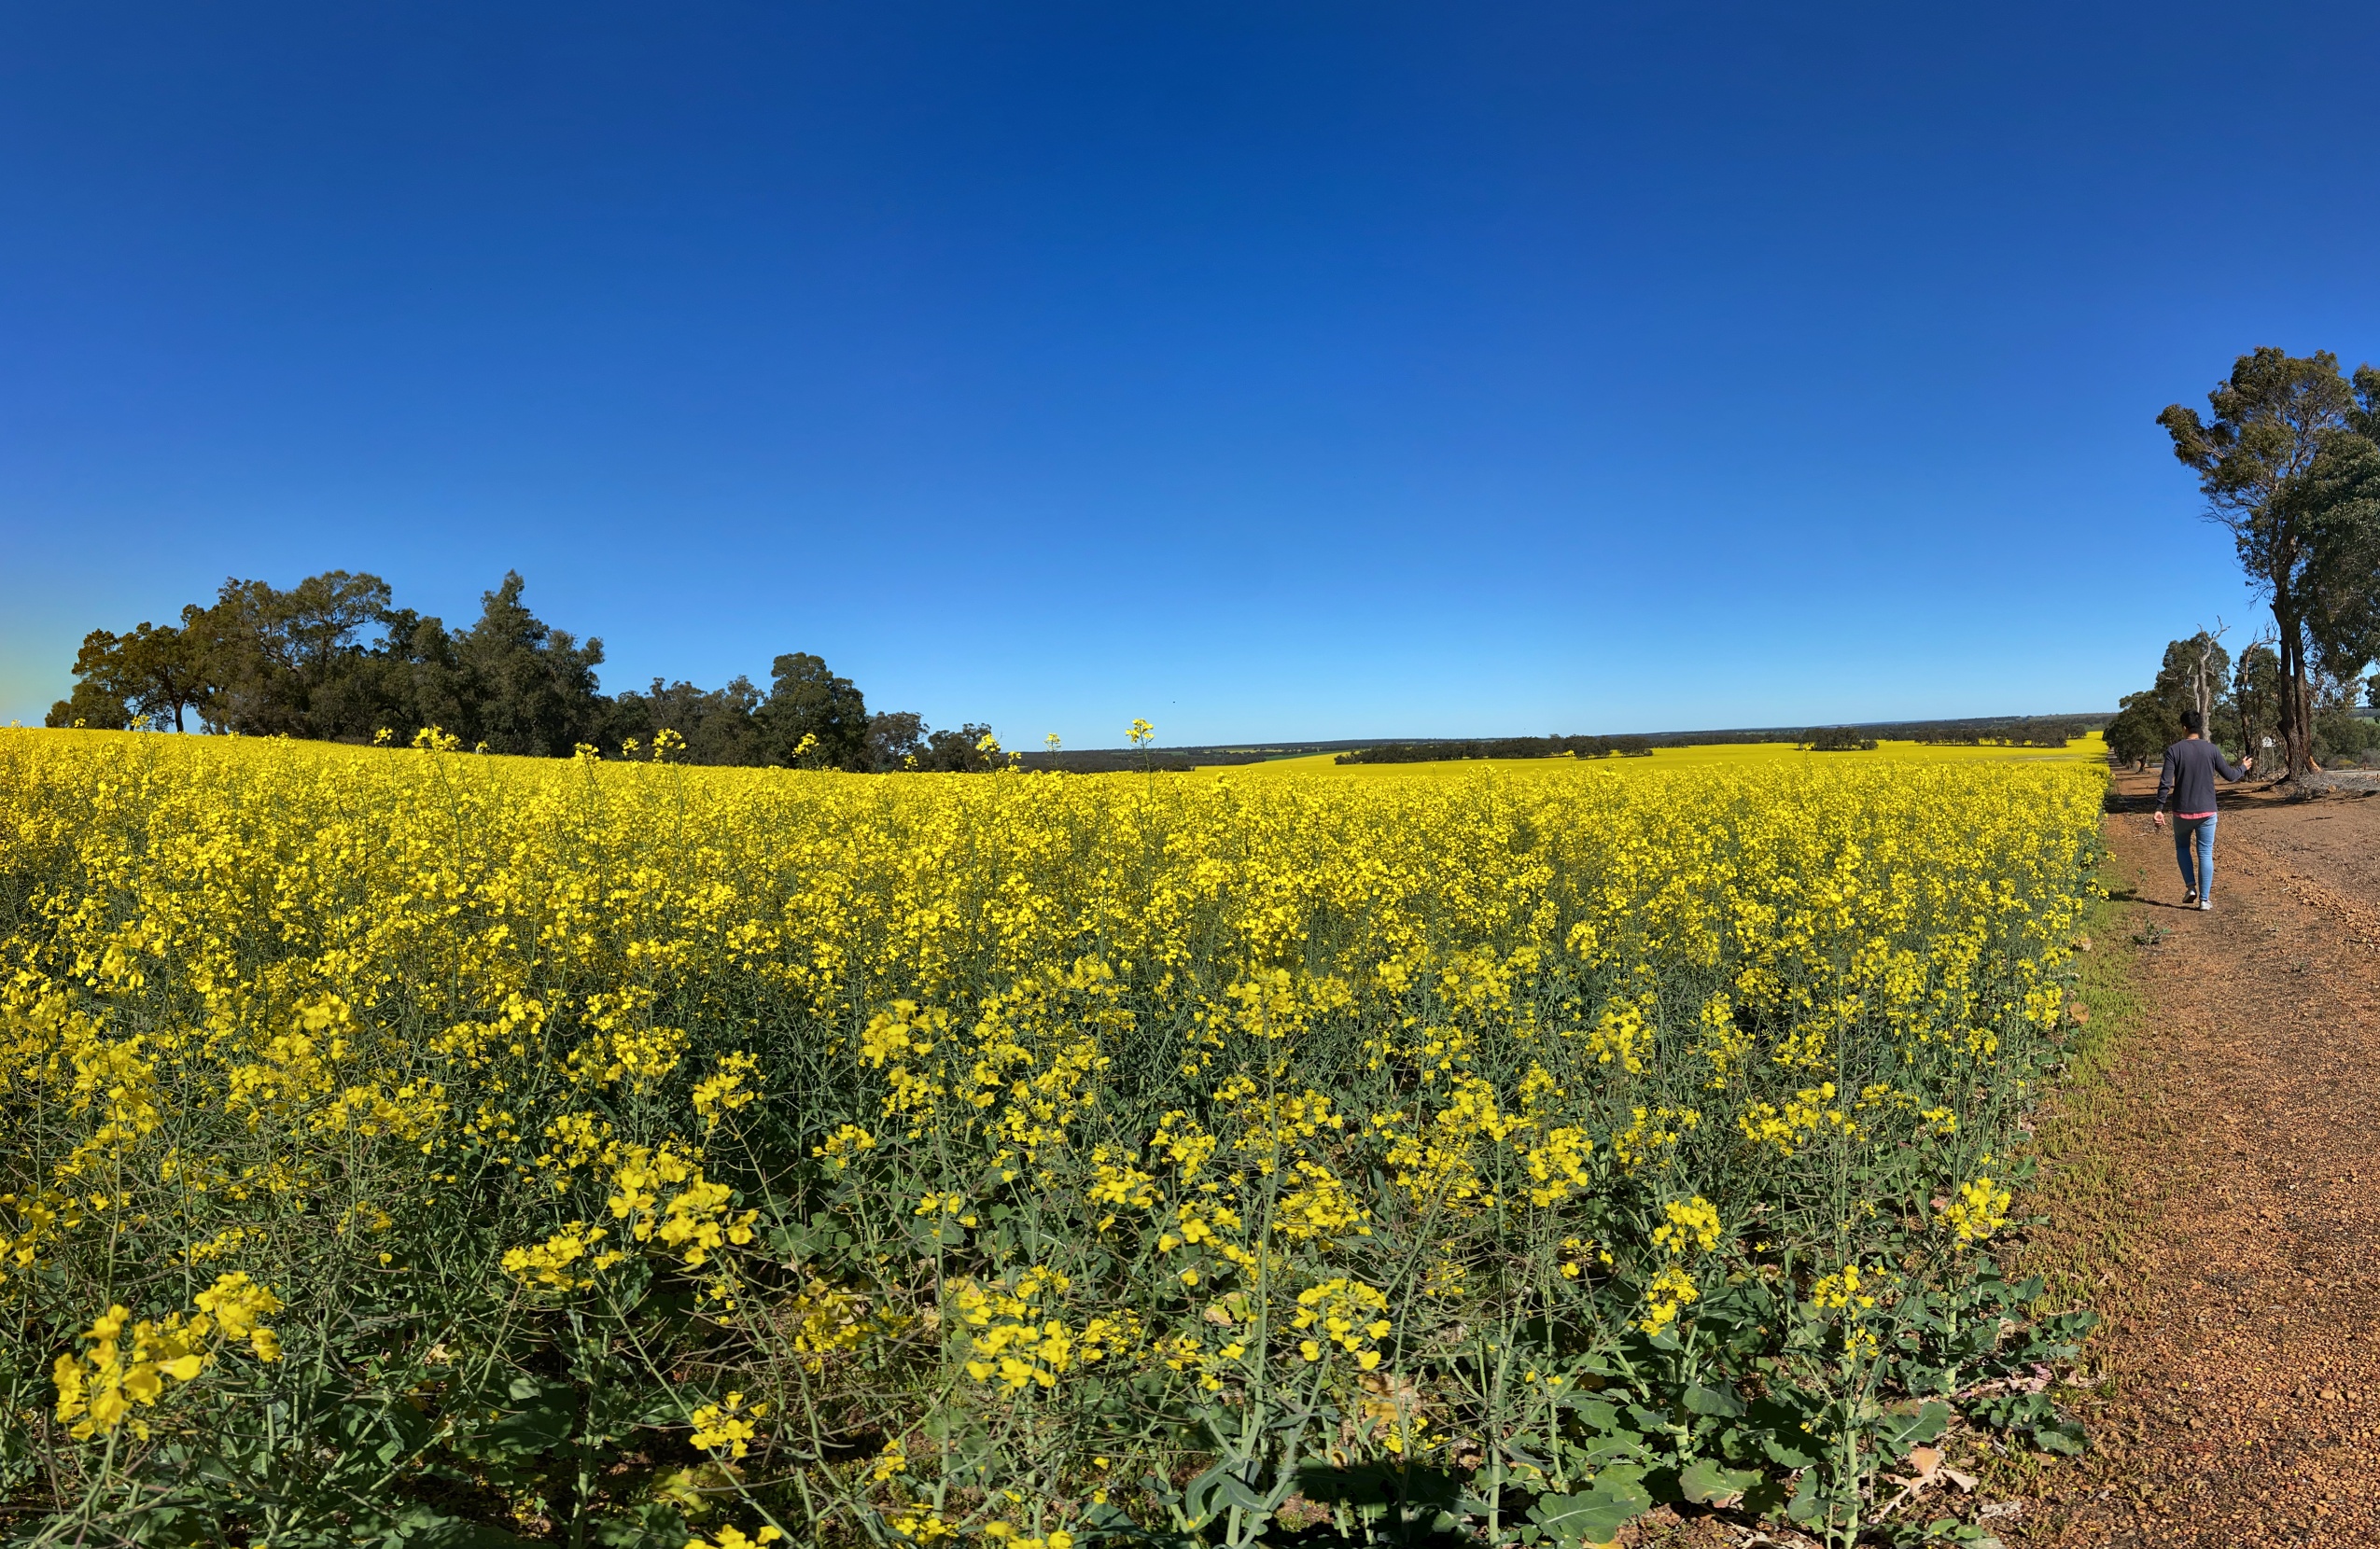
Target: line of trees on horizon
x,y
1553,747
1987,731
334,658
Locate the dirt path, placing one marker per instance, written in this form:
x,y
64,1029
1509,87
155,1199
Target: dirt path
x,y
2242,1356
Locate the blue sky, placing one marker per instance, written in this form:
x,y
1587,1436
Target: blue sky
x,y
1266,370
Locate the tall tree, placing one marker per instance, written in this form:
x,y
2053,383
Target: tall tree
x,y
93,707
158,671
2138,729
529,687
419,677
102,698
2193,676
2206,667
895,737
2256,697
2340,735
968,750
294,663
716,723
2287,463
807,701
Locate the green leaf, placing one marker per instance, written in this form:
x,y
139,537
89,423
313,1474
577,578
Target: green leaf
x,y
1706,1482
1615,1499
1900,1432
1198,1505
1599,1416
1784,1434
542,1421
1949,1529
1768,1497
2013,1411
1243,1496
1715,1401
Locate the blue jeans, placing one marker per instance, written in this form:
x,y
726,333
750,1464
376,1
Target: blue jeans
x,y
2196,834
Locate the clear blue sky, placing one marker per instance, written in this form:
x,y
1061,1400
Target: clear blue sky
x,y
1267,371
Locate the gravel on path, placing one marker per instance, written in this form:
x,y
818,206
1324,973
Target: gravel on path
x,y
2241,1361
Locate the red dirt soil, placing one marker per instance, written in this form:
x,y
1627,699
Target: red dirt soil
x,y
2242,1351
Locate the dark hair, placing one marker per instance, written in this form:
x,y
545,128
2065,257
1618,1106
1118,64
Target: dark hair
x,y
2194,721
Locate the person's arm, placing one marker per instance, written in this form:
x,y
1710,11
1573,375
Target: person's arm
x,y
2164,788
2224,765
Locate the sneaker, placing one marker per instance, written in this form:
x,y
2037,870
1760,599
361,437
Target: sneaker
x,y
2206,903
2189,898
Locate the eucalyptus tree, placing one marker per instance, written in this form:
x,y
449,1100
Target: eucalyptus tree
x,y
2288,462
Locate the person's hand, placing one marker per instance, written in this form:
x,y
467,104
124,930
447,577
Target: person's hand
x,y
2158,817
2247,763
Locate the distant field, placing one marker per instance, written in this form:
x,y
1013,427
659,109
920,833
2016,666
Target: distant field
x,y
2085,748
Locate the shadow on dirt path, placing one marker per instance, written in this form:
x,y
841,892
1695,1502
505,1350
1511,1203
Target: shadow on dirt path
x,y
2243,1348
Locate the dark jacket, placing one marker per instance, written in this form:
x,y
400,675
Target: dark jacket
x,y
2189,777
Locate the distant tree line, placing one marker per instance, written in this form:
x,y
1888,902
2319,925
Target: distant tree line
x,y
1501,747
2028,732
1990,731
332,657
1114,761
1980,731
1103,760
2242,701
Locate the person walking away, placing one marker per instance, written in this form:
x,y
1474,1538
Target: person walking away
x,y
2188,780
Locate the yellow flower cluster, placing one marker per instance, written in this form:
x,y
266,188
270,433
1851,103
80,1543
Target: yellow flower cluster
x,y
1686,1225
1343,1313
848,1142
727,1425
731,1537
1007,1535
98,1389
555,1263
1015,1342
1978,1210
694,1221
1845,1289
1789,1126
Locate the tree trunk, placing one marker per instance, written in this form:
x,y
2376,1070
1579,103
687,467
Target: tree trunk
x,y
2297,696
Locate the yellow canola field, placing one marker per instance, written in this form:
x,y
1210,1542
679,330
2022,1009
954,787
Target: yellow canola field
x,y
409,1146
2091,747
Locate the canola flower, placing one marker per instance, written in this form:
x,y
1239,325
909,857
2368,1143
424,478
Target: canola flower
x,y
921,1159
98,1389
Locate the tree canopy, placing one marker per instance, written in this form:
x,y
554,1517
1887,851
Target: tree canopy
x,y
813,719
2288,459
2193,676
2241,700
334,658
